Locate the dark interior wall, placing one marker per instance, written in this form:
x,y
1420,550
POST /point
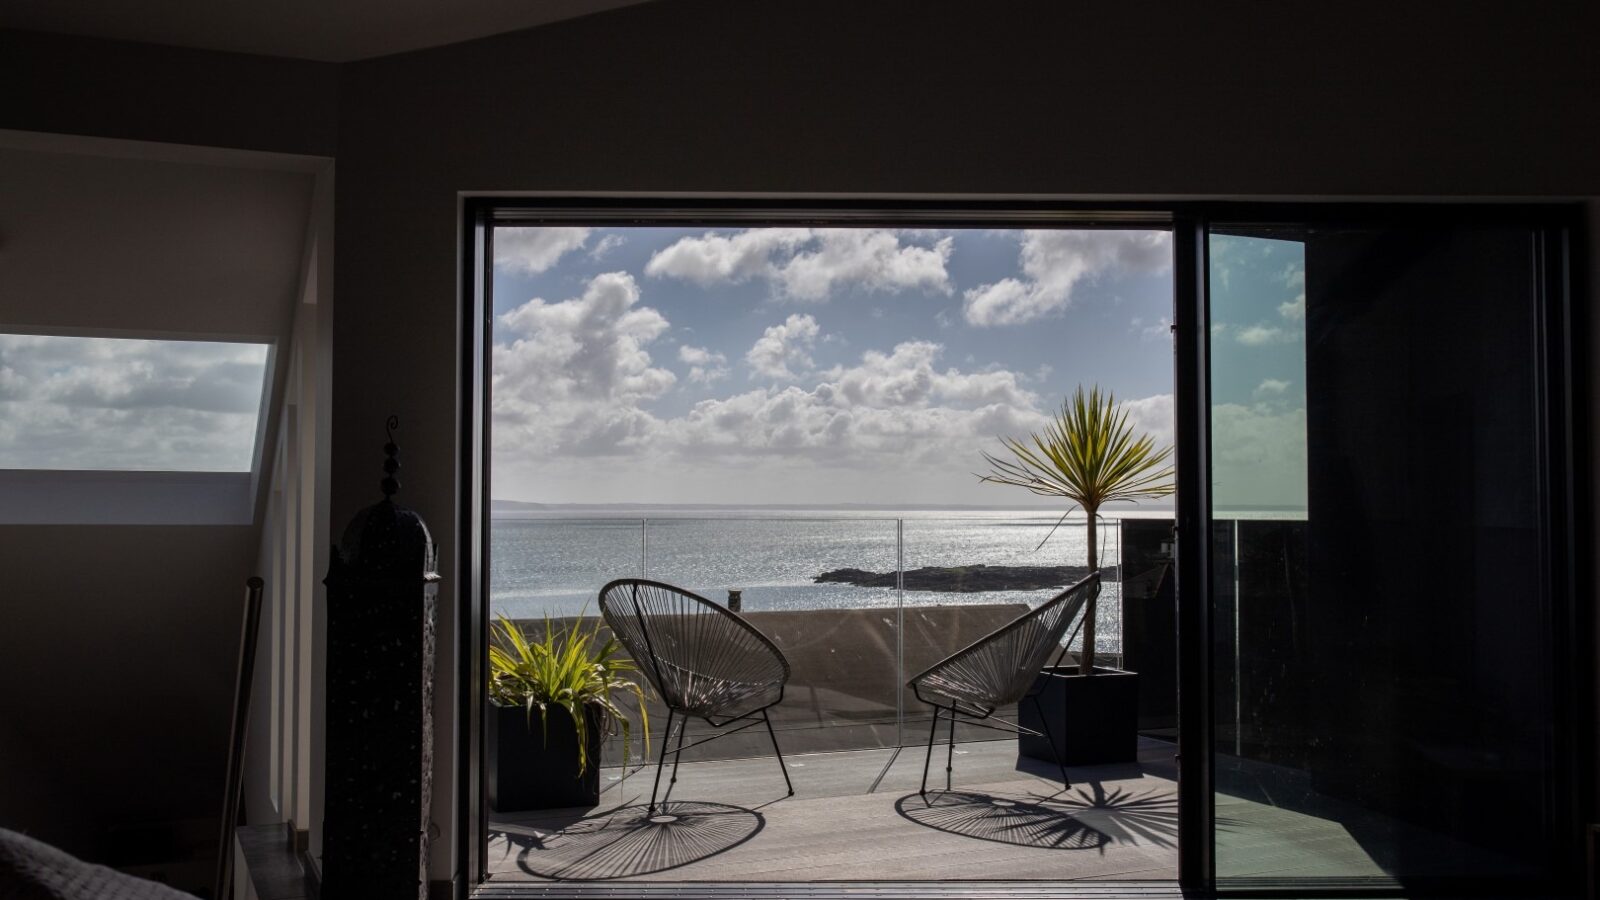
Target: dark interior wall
x,y
119,641
71,85
1363,98
96,759
1128,99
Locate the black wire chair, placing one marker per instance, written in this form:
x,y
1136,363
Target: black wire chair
x,y
1001,669
703,659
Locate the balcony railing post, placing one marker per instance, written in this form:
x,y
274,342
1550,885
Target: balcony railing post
x,y
900,631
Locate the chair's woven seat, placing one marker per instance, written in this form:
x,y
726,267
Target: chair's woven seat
x,y
1000,668
701,658
702,695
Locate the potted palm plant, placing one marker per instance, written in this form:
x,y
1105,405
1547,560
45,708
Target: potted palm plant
x,y
1090,455
552,699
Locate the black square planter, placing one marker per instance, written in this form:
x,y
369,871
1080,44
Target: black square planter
x,y
1094,718
534,768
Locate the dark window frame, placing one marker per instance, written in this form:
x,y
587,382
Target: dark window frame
x,y
1564,375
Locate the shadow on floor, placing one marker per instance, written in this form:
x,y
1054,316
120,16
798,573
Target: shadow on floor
x,y
1000,819
1084,817
1124,815
628,841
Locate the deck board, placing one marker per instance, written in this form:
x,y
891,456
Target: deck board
x,y
1116,822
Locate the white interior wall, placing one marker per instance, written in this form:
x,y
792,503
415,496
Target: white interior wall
x,y
284,779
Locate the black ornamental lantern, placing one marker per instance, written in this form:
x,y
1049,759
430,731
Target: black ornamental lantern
x,y
380,656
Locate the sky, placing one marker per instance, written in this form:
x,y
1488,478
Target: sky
x,y
101,403
815,366
758,366
1258,363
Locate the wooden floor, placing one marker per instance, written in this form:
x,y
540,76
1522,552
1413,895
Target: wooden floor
x,y
856,815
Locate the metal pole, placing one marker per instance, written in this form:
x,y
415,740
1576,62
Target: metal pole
x,y
900,632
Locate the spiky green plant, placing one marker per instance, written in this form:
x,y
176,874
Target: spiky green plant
x,y
569,668
1090,455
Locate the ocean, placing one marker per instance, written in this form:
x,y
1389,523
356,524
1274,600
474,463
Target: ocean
x,y
545,562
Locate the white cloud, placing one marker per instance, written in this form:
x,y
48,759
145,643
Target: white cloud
x,y
1161,329
1258,457
892,408
1272,386
1054,262
783,352
1257,335
113,403
534,250
1153,416
1294,310
806,263
606,244
705,366
573,374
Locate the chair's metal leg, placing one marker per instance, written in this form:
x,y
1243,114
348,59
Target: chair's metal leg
x,y
781,767
928,760
666,738
677,757
1051,738
950,755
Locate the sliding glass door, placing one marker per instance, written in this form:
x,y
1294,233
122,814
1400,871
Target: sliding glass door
x,y
1383,564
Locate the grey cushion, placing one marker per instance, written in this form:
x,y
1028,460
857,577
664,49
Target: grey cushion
x,y
33,870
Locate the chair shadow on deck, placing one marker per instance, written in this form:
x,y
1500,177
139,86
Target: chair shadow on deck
x,y
1087,817
628,841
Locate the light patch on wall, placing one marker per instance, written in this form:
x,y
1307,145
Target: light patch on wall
x,y
122,404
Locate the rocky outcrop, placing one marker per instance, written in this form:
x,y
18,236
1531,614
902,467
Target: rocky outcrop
x,y
969,579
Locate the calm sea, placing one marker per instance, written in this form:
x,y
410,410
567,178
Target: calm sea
x,y
547,563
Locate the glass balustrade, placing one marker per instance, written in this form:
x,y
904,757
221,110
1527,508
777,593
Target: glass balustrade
x,y
858,605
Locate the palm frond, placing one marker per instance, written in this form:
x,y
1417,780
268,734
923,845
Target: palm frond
x,y
1088,454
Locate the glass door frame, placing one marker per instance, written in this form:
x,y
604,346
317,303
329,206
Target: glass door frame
x,y
1562,373
1564,416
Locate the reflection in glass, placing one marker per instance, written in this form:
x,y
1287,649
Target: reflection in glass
x,y
1379,711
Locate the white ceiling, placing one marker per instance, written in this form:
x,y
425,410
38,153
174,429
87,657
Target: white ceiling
x,y
325,30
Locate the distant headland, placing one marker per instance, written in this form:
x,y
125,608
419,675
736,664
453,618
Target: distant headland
x,y
969,579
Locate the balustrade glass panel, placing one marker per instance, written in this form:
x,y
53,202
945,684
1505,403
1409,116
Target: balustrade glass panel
x,y
841,639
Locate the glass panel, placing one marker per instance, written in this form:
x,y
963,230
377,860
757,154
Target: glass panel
x,y
1378,613
129,405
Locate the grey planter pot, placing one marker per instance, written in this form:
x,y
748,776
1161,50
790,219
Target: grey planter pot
x,y
533,769
1094,719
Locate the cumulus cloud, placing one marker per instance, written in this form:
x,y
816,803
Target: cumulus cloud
x,y
534,250
898,404
809,263
1153,416
1257,335
783,352
1271,386
606,244
1054,262
1258,456
1160,329
113,403
704,365
571,376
